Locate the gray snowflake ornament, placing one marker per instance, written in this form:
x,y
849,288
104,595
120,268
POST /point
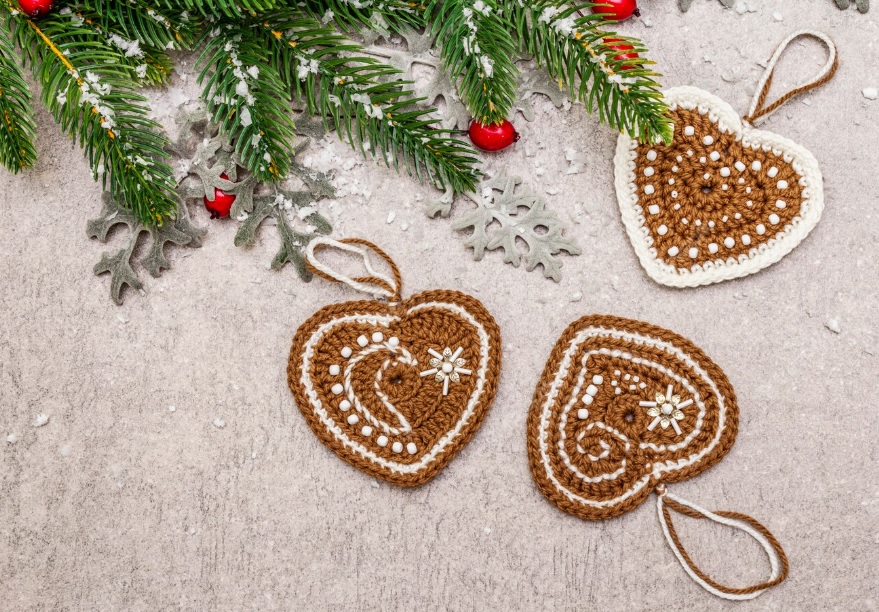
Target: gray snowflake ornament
x,y
517,222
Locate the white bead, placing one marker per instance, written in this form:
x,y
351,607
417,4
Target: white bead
x,y
598,379
397,447
648,189
346,352
618,391
780,204
362,341
706,176
337,389
591,390
411,448
673,251
703,159
334,370
761,229
675,168
588,399
377,337
694,253
740,166
653,209
689,130
447,368
671,181
711,224
748,189
649,171
756,165
651,155
772,172
737,216
725,172
782,184
366,431
352,419
714,156
394,341
713,248
746,240
674,194
582,414
382,441
708,140
344,405
729,242
773,219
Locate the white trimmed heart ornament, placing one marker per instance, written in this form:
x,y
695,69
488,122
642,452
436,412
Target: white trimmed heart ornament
x,y
394,388
723,200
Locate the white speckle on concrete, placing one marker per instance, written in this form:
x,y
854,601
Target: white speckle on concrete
x,y
41,419
778,16
12,438
219,423
391,216
577,296
833,325
172,408
871,93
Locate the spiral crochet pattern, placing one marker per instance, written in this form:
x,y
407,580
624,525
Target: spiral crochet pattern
x,y
624,408
396,389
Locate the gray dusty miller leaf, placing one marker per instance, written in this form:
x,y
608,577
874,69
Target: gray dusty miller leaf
x,y
203,155
517,222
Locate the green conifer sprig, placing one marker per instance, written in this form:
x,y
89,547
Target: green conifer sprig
x,y
89,90
16,115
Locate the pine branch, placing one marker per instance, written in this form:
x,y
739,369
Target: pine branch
x,y
16,117
382,16
246,96
477,50
148,64
323,69
89,92
152,25
213,8
575,51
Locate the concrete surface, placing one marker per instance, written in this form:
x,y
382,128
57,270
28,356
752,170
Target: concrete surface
x,y
117,503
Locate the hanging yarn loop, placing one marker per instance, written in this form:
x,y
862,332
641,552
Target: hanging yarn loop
x,y
759,110
380,286
666,502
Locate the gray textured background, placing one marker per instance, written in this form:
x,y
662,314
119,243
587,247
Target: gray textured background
x,y
118,503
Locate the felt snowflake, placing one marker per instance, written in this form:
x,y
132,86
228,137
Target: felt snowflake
x,y
518,223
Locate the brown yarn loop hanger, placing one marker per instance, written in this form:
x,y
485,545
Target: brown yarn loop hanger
x,y
375,283
667,502
758,110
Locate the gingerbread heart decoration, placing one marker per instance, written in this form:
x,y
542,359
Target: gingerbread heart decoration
x,y
394,388
624,408
724,199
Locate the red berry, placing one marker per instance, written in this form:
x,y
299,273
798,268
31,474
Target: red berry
x,y
222,203
35,8
617,10
494,136
622,47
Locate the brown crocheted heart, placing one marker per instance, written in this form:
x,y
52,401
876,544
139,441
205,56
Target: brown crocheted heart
x,y
622,407
397,390
721,201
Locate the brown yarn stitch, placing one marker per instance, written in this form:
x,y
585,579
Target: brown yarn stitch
x,y
360,373
616,404
695,214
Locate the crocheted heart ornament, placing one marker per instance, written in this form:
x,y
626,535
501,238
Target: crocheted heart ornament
x,y
723,199
622,409
395,389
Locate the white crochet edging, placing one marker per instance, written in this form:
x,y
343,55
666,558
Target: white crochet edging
x,y
758,258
